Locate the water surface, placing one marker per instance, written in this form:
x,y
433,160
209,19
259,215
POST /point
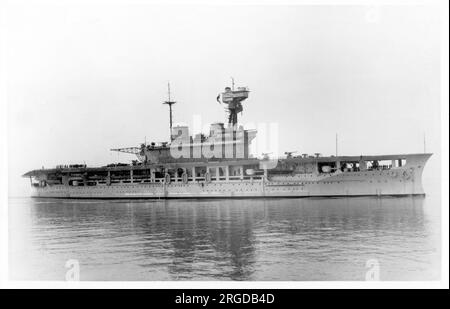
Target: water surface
x,y
274,239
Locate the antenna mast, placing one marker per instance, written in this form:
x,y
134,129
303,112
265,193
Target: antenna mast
x,y
336,145
170,103
424,143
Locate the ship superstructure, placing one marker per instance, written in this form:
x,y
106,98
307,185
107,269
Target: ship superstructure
x,y
220,165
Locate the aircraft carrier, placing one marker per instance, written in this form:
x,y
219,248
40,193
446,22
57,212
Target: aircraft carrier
x,y
221,165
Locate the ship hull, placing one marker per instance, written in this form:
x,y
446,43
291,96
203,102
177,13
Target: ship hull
x,y
400,182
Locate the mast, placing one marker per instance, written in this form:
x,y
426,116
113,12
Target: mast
x,y
336,145
170,103
424,143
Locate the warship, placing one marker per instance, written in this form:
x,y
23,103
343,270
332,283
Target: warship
x,y
221,165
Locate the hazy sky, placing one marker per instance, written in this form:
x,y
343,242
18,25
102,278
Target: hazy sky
x,y
84,79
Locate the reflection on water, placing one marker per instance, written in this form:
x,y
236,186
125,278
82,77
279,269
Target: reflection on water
x,y
275,239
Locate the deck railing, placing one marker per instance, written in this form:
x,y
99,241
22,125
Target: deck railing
x,y
149,180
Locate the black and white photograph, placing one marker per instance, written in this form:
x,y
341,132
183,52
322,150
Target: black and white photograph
x,y
212,144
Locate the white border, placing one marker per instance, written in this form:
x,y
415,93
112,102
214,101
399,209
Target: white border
x,y
443,283
3,157
444,141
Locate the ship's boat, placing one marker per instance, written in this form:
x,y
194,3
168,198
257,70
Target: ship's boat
x,y
220,165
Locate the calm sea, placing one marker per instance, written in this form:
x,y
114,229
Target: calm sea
x,y
274,239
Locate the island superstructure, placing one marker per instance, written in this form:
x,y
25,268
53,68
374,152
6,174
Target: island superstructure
x,y
221,165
